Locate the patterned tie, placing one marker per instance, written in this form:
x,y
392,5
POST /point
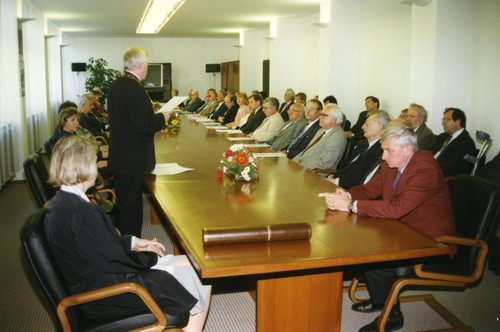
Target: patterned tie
x,y
396,180
316,141
446,142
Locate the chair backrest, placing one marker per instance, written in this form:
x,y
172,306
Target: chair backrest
x,y
348,148
42,261
475,203
37,176
346,125
49,145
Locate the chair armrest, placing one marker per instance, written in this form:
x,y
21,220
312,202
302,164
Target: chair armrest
x,y
328,171
480,259
102,139
126,287
111,191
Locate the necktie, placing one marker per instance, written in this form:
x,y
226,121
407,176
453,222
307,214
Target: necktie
x,y
446,142
296,139
316,141
396,180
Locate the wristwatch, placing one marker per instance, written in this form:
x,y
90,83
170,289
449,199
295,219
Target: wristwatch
x,y
350,206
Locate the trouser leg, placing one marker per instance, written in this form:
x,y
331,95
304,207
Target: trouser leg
x,y
129,200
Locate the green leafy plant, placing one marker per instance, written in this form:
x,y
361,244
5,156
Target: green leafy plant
x,y
100,76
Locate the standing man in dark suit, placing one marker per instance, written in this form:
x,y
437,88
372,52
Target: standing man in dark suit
x,y
366,154
313,111
371,104
452,145
417,115
131,145
289,100
256,117
413,190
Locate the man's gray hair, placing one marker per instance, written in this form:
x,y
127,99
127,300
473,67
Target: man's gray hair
x,y
403,133
335,111
421,110
290,93
382,117
134,57
273,102
84,99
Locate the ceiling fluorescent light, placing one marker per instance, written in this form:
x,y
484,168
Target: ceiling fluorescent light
x,y
157,14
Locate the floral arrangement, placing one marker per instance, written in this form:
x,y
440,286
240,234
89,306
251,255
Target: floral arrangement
x,y
238,162
173,121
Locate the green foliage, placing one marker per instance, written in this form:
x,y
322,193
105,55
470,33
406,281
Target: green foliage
x,y
100,76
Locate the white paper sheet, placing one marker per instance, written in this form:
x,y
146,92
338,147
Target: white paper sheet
x,y
269,154
234,131
257,145
204,120
169,169
241,139
172,103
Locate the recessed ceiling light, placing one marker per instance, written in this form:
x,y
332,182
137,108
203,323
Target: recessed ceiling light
x,y
157,14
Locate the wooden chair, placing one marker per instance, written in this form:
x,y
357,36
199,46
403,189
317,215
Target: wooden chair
x,y
476,205
53,283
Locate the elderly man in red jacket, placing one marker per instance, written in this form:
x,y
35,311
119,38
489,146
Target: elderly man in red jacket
x,y
413,190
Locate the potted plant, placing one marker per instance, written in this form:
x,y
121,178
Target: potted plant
x,y
100,76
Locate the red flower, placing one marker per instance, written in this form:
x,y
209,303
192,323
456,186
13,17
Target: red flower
x,y
258,168
220,173
249,149
241,159
228,153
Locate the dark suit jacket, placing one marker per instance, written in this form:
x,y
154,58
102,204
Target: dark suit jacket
x,y
355,172
219,111
303,142
451,159
230,114
133,126
254,121
421,198
425,137
91,254
91,124
356,130
283,110
193,105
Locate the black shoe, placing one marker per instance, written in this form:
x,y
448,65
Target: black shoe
x,y
392,324
367,306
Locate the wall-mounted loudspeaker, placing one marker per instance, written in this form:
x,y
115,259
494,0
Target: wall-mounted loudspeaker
x,y
78,66
213,68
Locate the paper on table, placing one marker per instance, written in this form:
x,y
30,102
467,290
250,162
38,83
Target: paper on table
x,y
204,120
257,145
223,131
219,127
234,131
172,103
269,154
169,169
241,139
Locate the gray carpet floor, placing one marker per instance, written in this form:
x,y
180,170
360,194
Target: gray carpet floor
x,y
23,306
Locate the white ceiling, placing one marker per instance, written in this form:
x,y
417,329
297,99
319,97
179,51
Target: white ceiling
x,y
197,18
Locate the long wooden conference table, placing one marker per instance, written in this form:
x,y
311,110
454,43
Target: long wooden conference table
x,y
299,283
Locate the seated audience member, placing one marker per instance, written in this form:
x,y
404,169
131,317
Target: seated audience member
x,y
491,170
452,145
243,111
371,104
64,105
256,117
330,100
175,93
413,190
417,115
289,100
290,129
300,142
195,102
212,103
188,101
328,145
87,118
204,104
366,154
97,92
92,254
404,114
271,124
67,122
221,107
232,109
263,94
300,98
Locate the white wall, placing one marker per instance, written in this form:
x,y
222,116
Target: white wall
x,y
188,58
255,51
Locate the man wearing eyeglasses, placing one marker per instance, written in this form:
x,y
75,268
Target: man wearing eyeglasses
x,y
290,129
452,145
271,124
326,147
300,142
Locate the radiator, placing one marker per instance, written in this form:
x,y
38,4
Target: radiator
x,y
35,127
7,169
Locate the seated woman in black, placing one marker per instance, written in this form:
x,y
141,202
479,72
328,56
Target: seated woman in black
x,y
91,254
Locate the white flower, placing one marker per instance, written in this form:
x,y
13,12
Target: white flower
x,y
250,159
230,159
246,177
236,147
246,169
224,169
